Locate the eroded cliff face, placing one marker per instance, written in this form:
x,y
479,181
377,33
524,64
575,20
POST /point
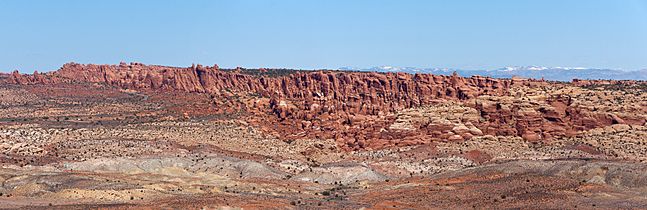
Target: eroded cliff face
x,y
327,91
361,109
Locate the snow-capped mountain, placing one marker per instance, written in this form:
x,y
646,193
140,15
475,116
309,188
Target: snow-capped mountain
x,y
384,69
537,68
537,72
412,70
564,73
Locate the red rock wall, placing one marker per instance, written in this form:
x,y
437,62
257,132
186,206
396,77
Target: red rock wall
x,y
325,91
350,107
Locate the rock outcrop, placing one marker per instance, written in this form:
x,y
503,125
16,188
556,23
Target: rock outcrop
x,y
325,91
358,109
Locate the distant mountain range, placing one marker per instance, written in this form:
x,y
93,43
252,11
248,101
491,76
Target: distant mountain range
x,y
536,72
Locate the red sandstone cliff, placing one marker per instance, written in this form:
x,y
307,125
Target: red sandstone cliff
x,y
366,93
351,107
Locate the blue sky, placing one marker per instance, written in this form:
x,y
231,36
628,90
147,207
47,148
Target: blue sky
x,y
42,35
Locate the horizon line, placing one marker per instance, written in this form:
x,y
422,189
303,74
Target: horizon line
x,y
353,68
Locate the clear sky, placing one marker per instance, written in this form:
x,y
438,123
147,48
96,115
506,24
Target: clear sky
x,y
42,35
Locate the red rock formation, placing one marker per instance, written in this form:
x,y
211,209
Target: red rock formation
x,y
320,92
350,107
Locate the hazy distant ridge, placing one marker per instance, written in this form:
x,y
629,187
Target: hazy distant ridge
x,y
537,72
